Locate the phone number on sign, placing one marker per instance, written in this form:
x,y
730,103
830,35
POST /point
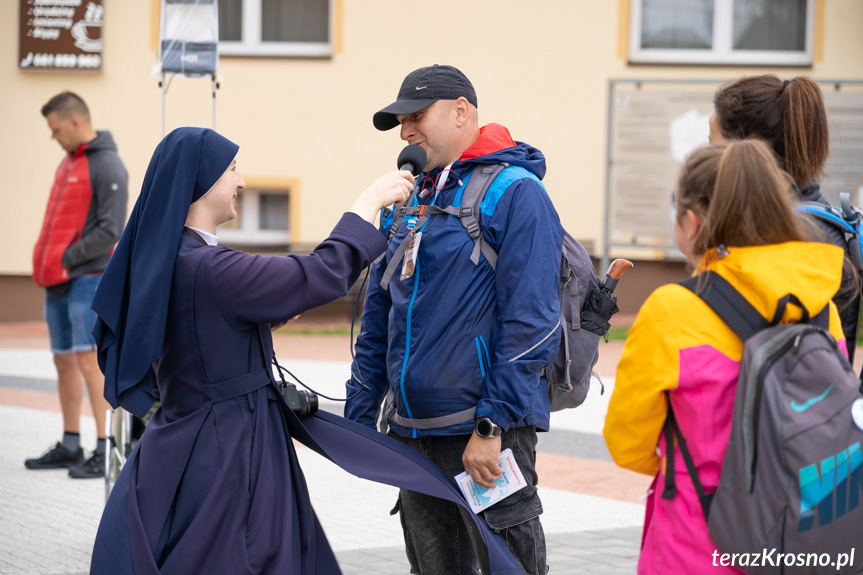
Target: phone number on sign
x,y
62,61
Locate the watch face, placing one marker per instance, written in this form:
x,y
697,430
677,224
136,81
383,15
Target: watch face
x,y
483,427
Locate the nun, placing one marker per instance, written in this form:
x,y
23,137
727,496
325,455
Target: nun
x,y
213,485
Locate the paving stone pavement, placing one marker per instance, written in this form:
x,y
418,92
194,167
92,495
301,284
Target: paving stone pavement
x,y
48,521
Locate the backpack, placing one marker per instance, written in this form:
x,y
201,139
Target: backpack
x,y
568,375
791,484
847,218
849,221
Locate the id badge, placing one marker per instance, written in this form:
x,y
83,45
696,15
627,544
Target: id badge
x,y
410,262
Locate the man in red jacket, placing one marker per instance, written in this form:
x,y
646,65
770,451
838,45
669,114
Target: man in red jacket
x,y
84,219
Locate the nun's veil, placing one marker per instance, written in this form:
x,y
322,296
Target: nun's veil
x,y
133,295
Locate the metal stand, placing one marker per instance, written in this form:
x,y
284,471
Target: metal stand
x,y
164,87
118,445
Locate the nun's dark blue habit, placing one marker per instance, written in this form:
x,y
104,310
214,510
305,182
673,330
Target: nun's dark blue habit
x,y
214,485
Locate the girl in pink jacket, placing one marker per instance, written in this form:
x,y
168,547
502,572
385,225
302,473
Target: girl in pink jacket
x,y
734,216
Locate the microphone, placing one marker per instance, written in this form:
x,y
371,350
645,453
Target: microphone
x,y
412,158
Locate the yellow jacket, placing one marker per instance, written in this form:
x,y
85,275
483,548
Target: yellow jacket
x,y
680,346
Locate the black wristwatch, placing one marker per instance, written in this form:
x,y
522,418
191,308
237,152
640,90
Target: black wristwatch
x,y
485,428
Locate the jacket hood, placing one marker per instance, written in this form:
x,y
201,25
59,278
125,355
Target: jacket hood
x,y
495,146
764,274
811,192
103,141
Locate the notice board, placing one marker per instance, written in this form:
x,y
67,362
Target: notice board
x,y
60,35
654,125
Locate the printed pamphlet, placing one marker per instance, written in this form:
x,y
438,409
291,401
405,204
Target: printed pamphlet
x,y
480,497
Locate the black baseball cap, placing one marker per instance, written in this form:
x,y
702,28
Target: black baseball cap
x,y
422,88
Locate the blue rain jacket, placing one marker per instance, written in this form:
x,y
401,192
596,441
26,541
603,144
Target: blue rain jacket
x,y
457,335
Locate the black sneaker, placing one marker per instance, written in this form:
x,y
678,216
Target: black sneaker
x,y
57,457
93,468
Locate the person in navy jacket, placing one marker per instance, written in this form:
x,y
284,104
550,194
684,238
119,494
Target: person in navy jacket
x,y
213,485
455,349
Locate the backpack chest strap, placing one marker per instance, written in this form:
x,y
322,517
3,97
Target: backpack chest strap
x,y
399,254
468,213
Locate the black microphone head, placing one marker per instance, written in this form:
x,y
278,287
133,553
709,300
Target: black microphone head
x,y
412,158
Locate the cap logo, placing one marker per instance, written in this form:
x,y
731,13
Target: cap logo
x,y
421,88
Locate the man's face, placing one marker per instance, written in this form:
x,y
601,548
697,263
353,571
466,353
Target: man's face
x,y
432,129
65,131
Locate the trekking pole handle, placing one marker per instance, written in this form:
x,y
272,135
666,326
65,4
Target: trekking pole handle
x,y
615,271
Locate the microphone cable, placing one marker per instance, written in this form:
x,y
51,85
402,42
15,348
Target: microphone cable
x,y
353,355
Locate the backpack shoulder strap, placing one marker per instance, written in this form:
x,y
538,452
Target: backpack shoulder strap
x,y
738,314
827,214
731,307
671,432
848,211
478,183
472,195
852,217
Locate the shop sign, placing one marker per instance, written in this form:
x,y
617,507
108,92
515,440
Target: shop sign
x,y
64,35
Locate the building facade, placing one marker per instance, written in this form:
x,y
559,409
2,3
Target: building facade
x,y
299,81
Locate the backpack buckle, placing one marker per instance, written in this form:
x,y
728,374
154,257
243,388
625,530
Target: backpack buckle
x,y
473,229
566,277
465,212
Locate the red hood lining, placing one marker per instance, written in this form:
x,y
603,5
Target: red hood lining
x,y
492,138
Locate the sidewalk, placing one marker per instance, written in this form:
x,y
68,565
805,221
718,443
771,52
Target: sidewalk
x,y
48,521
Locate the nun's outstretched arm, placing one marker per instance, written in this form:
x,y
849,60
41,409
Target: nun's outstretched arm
x,y
251,289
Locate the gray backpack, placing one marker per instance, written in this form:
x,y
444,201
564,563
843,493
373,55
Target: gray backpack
x,y
790,490
568,376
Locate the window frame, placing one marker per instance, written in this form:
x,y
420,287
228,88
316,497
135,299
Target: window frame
x,y
252,44
248,232
722,52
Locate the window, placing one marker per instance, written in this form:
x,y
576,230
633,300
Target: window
x,y
263,217
737,32
275,28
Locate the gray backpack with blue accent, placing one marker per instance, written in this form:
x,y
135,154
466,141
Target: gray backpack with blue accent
x,y
847,218
568,376
790,494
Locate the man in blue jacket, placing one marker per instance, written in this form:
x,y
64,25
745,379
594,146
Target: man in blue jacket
x,y
453,348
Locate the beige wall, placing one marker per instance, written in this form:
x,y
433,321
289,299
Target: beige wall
x,y
540,68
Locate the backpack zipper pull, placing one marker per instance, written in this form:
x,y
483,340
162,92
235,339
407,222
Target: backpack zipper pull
x,y
796,346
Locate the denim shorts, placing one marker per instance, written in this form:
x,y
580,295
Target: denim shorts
x,y
70,319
